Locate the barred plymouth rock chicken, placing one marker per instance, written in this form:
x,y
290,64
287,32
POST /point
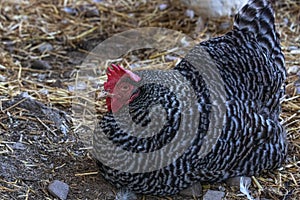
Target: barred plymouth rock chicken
x,y
157,137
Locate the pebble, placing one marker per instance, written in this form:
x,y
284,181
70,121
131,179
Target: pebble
x,y
18,146
45,47
41,77
92,13
69,10
195,190
293,69
298,91
190,13
2,78
213,195
59,189
163,6
26,95
40,64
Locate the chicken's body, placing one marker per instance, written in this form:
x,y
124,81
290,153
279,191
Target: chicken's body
x,y
214,8
207,9
251,66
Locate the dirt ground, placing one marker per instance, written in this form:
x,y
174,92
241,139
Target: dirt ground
x,y
41,45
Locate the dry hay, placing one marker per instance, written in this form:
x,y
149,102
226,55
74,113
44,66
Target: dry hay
x,y
60,34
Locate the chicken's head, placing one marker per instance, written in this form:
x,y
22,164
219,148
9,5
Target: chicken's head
x,y
121,86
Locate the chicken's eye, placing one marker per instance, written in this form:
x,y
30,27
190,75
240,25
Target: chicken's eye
x,y
124,87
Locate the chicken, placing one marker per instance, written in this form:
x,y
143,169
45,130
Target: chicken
x,y
207,9
217,8
167,130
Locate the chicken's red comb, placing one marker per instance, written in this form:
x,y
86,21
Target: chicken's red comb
x,y
114,75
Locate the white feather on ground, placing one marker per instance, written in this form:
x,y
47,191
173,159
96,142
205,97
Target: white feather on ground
x,y
244,187
125,194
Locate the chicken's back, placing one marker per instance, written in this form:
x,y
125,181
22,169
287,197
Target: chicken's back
x,y
249,58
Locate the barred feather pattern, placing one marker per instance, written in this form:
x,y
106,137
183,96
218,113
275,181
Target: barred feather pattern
x,y
252,139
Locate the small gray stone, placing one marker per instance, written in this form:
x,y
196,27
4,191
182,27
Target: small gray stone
x,y
92,13
41,77
45,47
190,13
40,64
163,6
195,190
71,11
59,189
293,69
213,195
18,146
2,78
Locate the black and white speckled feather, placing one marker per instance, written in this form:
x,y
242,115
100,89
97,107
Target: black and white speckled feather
x,y
251,65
